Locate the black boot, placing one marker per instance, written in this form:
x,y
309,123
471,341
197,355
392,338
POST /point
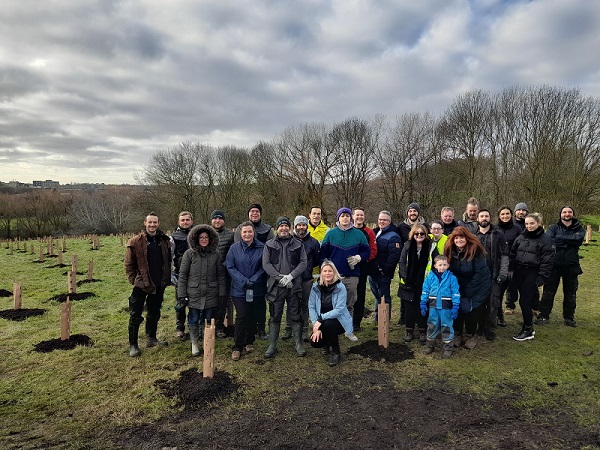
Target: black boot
x,y
273,337
448,350
297,332
287,333
134,350
430,346
335,359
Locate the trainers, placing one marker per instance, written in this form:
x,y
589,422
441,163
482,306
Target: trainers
x,y
235,355
335,359
542,320
570,323
501,322
262,335
408,337
429,349
470,343
221,334
153,342
249,348
525,334
352,337
180,334
134,351
509,311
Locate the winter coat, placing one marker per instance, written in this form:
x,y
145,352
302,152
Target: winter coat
x,y
313,255
179,245
372,244
449,227
262,232
319,231
225,241
567,241
440,292
244,264
296,257
411,276
404,228
497,251
511,232
136,262
339,311
339,244
389,248
474,279
202,275
533,249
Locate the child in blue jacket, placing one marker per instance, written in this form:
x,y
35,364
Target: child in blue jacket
x,y
442,297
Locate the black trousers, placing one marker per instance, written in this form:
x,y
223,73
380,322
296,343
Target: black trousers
x,y
331,329
245,321
524,279
569,275
279,296
153,303
413,314
361,295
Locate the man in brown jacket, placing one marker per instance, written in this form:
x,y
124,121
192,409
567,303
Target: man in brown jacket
x,y
147,265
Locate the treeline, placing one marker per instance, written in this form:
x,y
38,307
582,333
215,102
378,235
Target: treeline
x,y
539,145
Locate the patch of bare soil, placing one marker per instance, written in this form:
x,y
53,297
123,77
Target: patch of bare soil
x,y
63,297
18,315
194,392
5,293
77,273
394,353
86,281
67,344
57,265
364,411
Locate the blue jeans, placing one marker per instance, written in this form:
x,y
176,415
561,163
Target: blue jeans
x,y
198,316
380,287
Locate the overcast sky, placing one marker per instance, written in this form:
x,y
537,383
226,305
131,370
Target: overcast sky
x,y
90,89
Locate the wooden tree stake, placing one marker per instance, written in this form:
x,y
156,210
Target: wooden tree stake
x,y
588,235
383,325
209,350
60,259
74,264
41,253
65,320
90,270
64,245
17,296
72,283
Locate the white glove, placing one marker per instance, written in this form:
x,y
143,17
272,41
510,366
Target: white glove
x,y
286,280
353,260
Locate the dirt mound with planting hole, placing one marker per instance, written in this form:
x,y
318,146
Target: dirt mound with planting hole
x,y
394,353
74,297
21,314
67,344
5,293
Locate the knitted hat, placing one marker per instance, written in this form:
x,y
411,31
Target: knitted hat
x,y
217,214
300,219
283,220
521,206
414,206
342,211
255,205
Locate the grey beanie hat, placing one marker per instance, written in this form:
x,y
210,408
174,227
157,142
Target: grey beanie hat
x,y
521,206
414,206
300,219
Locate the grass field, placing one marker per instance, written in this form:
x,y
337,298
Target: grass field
x,y
85,397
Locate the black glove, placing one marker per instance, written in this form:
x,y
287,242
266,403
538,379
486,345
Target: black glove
x,y
539,282
249,285
181,304
501,279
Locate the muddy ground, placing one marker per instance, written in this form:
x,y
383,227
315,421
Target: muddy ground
x,y
19,315
61,298
67,344
357,412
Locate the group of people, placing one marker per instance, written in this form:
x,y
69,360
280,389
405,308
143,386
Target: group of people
x,y
452,275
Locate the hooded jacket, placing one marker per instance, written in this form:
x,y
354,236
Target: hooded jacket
x,y
136,261
474,280
202,275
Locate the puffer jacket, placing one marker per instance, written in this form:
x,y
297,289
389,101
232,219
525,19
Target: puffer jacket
x,y
225,241
244,264
136,261
497,251
389,248
567,241
474,279
202,274
533,249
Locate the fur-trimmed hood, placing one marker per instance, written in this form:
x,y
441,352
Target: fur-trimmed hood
x,y
213,238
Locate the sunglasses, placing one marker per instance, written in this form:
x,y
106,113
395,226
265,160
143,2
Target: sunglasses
x,y
419,234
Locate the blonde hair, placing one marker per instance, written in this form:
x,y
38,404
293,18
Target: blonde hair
x,y
336,274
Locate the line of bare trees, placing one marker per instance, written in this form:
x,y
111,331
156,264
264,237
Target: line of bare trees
x,y
540,145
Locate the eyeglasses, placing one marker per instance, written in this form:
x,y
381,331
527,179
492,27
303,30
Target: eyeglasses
x,y
419,234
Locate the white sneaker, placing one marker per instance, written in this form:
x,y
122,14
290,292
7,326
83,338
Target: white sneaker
x,y
352,337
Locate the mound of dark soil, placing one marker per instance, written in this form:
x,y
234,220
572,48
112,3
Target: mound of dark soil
x,y
21,314
194,392
57,265
67,344
86,281
5,293
63,297
67,272
366,411
394,353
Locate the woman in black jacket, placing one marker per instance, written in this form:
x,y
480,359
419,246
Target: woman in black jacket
x,y
531,260
467,262
511,231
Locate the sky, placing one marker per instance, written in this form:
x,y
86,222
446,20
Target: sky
x,y
89,90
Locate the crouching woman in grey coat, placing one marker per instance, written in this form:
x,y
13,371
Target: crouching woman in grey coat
x,y
328,312
201,280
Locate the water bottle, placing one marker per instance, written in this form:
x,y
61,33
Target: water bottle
x,y
249,295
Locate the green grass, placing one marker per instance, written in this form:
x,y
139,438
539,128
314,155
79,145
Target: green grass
x,y
71,398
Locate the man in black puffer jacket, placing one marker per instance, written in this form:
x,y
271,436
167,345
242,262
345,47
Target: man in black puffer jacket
x,y
567,235
217,221
179,245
